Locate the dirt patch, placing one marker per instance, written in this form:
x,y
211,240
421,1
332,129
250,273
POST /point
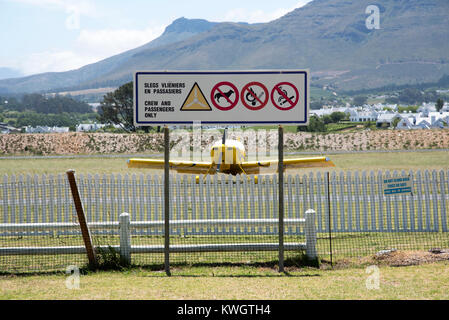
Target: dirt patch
x,y
409,258
392,259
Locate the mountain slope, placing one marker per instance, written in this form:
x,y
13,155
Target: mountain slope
x,y
327,36
6,73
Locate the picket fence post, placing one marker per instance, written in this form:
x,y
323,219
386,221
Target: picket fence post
x,y
125,238
310,231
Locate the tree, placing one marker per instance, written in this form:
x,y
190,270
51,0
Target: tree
x,y
316,124
315,105
411,96
327,119
439,105
395,122
338,116
360,100
117,108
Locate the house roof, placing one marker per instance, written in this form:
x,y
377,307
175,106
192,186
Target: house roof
x,y
387,117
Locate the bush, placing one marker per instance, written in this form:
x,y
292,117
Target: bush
x,y
109,259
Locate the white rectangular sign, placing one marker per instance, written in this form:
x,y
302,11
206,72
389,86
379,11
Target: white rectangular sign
x,y
238,97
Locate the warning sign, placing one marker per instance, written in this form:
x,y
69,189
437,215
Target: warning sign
x,y
195,100
254,95
284,96
397,185
224,96
221,97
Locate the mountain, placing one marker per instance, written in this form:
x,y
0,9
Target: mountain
x,y
327,36
6,73
179,30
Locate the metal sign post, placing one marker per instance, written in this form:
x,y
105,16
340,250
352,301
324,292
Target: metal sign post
x,y
222,97
167,200
281,197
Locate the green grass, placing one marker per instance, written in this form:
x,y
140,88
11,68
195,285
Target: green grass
x,y
335,127
347,247
355,161
287,129
318,93
209,280
429,281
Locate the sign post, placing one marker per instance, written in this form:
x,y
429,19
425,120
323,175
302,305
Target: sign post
x,y
281,197
278,97
167,201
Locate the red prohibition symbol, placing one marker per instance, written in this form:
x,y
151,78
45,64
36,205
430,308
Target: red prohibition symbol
x,y
284,101
254,100
217,95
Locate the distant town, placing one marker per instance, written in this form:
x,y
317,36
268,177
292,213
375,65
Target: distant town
x,y
407,109
382,115
388,115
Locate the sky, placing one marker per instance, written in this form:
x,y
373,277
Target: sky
x,y
59,35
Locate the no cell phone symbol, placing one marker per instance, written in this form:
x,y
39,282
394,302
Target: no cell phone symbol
x,y
224,95
254,96
284,96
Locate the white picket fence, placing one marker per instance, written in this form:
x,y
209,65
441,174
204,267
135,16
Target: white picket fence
x,y
124,228
355,200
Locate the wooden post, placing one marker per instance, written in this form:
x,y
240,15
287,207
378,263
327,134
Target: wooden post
x,y
82,219
281,197
167,200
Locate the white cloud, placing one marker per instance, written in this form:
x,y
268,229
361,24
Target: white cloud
x,y
108,42
83,7
53,61
256,16
91,46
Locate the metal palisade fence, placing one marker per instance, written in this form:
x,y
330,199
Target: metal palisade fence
x,y
219,218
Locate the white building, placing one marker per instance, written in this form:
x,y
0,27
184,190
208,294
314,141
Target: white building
x,y
5,128
328,111
363,116
386,118
45,129
424,120
86,127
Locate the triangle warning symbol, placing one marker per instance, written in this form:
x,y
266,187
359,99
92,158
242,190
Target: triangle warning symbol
x,y
195,100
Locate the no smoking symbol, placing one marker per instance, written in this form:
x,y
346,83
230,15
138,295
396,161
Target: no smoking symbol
x,y
254,96
284,96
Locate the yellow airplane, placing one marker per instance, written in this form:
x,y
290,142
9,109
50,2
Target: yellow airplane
x,y
227,156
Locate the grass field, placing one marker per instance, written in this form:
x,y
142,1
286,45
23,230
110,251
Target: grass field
x,y
430,281
427,281
361,161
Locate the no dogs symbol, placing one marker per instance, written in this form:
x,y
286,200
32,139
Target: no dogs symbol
x,y
224,95
284,96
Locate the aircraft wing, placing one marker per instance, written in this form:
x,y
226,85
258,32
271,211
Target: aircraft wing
x,y
256,167
180,166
